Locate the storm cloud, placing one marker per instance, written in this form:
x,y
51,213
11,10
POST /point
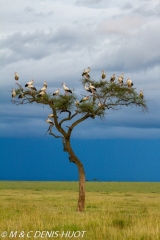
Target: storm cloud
x,y
55,40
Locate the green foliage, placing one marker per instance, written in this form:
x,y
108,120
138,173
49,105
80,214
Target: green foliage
x,y
107,96
64,102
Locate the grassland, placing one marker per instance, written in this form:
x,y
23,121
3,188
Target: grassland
x,y
114,211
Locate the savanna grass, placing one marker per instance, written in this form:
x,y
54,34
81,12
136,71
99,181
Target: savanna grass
x,y
114,211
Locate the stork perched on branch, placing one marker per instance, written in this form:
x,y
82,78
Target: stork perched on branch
x,y
41,94
51,115
141,94
120,80
113,78
122,75
103,74
56,92
85,99
49,121
93,89
86,71
66,89
16,77
13,93
29,83
129,82
45,84
88,89
44,88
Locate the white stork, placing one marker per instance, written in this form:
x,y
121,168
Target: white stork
x,y
44,88
49,121
141,94
56,92
51,115
85,99
88,89
113,78
103,74
129,82
13,93
122,75
41,94
16,76
93,89
86,71
66,89
29,83
45,84
120,80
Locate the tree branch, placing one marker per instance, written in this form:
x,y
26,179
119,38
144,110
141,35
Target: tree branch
x,y
59,128
77,122
69,118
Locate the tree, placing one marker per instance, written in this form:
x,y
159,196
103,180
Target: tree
x,y
103,95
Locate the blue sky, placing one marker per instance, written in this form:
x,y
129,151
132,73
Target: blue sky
x,y
54,41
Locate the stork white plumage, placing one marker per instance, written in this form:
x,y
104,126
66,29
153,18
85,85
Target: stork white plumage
x,y
41,94
13,93
86,71
93,89
88,89
113,78
29,83
16,77
122,75
51,115
56,92
85,99
45,84
103,74
49,121
141,94
66,89
44,88
120,80
129,82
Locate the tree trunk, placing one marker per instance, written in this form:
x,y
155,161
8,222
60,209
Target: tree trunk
x,y
81,172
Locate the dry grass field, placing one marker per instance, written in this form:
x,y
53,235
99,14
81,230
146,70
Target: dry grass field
x,y
46,210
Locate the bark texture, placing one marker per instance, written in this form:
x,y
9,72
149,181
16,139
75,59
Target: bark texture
x,y
73,158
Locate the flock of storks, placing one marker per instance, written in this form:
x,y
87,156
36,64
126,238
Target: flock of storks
x,y
91,88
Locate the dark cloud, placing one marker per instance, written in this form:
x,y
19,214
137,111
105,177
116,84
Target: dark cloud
x,y
53,42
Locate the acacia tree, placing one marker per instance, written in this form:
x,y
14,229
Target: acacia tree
x,y
103,96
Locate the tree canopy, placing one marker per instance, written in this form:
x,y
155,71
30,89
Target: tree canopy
x,y
101,96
